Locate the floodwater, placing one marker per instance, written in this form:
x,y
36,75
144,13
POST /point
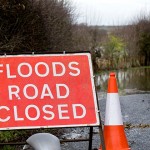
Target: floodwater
x,y
135,109
135,78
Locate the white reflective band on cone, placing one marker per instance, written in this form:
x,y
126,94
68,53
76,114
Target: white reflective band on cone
x,y
113,111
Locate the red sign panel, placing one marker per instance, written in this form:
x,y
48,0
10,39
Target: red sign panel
x,y
47,91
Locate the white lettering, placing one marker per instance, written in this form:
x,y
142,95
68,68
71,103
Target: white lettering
x,y
74,107
29,68
49,93
37,112
13,90
55,73
52,115
35,91
61,112
7,118
1,65
59,88
74,68
9,76
46,69
16,114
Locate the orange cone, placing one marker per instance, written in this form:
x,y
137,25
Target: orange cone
x,y
114,134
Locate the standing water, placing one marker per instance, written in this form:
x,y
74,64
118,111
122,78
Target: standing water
x,y
130,80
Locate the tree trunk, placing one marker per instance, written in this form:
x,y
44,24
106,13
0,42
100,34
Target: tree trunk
x,y
146,59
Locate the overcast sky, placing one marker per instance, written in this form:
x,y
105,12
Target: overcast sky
x,y
109,12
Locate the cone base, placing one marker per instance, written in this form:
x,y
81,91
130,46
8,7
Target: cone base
x,y
115,138
118,149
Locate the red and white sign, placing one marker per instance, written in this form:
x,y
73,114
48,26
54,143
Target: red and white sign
x,y
47,91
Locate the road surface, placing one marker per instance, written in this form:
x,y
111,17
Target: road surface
x,y
136,117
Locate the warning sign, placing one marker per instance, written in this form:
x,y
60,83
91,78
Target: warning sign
x,y
47,91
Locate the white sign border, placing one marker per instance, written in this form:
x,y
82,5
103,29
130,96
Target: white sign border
x,y
93,90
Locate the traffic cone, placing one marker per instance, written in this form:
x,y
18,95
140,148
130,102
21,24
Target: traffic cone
x,y
114,134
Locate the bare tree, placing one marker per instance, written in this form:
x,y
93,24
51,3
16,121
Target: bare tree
x,y
27,25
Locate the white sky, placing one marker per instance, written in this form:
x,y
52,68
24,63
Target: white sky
x,y
109,12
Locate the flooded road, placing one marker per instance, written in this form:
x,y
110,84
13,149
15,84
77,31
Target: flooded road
x,y
135,113
134,91
135,78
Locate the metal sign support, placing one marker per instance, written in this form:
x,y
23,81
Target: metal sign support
x,y
100,126
90,138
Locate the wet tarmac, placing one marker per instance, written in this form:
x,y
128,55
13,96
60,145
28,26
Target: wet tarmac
x,y
136,118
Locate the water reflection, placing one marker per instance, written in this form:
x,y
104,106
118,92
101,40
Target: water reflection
x,y
136,78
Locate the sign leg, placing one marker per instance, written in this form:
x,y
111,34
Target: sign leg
x,y
100,126
90,138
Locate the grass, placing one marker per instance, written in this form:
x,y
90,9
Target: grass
x,y
23,135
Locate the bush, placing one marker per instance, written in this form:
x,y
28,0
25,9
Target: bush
x,y
27,25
